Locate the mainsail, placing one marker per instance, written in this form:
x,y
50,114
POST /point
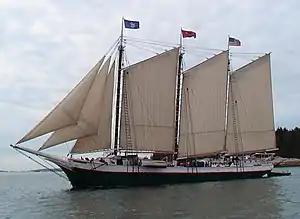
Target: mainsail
x,y
66,113
202,127
88,121
150,88
250,112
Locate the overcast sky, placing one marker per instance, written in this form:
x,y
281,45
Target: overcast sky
x,y
46,47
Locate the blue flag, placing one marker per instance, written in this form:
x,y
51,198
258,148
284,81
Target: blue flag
x,y
132,24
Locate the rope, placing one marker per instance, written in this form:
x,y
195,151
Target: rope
x,y
24,154
113,46
203,48
143,48
154,42
190,49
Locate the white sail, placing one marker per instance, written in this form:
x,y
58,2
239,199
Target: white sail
x,y
87,123
252,95
66,113
102,139
202,127
151,86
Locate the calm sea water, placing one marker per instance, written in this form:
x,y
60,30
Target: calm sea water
x,y
44,195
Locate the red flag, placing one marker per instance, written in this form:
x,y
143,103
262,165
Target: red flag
x,y
187,33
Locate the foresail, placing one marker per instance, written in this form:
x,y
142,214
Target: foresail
x,y
66,113
102,139
202,122
89,144
87,123
252,95
151,86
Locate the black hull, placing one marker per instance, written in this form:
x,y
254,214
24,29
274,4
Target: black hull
x,y
82,178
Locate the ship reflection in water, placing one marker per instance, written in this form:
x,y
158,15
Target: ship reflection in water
x,y
235,199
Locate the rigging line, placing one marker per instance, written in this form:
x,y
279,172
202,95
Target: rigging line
x,y
183,67
252,58
68,148
197,55
24,154
202,48
246,58
150,46
175,44
148,40
189,105
129,109
238,97
186,46
187,124
197,52
152,41
113,46
126,58
249,53
143,48
206,56
54,168
214,52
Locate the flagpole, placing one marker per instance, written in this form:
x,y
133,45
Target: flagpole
x,y
228,42
118,93
180,45
122,31
178,95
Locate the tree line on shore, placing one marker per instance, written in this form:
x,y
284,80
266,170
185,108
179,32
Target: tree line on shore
x,y
288,142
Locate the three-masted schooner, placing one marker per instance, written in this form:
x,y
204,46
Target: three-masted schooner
x,y
156,107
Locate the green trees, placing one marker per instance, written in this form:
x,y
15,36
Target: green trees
x,y
288,142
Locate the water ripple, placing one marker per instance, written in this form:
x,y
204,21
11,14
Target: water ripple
x,y
44,195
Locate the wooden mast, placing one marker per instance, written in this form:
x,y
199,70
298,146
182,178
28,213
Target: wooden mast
x,y
118,94
178,98
227,97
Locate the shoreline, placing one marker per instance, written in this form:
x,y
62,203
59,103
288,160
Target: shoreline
x,y
287,162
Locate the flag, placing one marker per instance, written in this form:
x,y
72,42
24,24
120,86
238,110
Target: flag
x,y
131,24
234,42
187,33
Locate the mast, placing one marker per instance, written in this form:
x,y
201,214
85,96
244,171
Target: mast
x,y
118,94
227,97
178,98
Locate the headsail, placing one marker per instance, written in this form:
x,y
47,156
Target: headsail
x,y
203,107
151,86
102,139
253,108
66,113
87,123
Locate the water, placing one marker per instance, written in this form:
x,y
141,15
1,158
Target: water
x,y
44,195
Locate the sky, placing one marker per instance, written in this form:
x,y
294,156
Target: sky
x,y
47,46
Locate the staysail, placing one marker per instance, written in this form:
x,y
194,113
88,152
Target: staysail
x,y
66,113
202,127
87,123
251,108
102,139
150,88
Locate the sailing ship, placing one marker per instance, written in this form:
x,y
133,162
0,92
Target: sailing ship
x,y
154,106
